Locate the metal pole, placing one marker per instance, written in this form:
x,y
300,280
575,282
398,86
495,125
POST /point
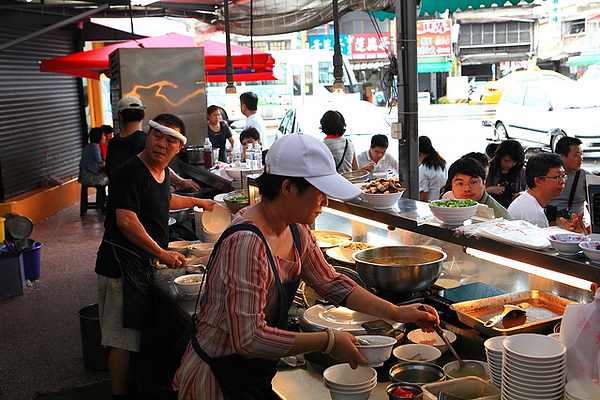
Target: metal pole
x,y
408,152
228,63
338,72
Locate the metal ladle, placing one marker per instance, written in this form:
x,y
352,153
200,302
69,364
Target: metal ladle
x,y
472,367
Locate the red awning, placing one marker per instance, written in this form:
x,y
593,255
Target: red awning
x,y
93,63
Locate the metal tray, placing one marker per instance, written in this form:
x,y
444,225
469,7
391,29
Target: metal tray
x,y
544,312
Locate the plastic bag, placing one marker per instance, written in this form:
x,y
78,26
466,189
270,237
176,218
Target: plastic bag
x,y
580,332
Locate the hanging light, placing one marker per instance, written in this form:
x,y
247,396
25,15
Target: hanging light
x,y
338,70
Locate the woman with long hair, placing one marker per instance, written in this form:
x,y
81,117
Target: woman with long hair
x,y
506,178
432,170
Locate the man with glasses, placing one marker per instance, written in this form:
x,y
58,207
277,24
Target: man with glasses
x,y
546,179
466,180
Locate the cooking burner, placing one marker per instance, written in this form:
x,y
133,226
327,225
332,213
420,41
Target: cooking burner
x,y
403,298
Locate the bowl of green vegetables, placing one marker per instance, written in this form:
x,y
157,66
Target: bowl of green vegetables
x,y
453,211
236,200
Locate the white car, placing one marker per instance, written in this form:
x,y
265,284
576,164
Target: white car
x,y
539,113
363,120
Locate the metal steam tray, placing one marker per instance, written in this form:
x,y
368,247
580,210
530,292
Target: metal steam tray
x,y
544,312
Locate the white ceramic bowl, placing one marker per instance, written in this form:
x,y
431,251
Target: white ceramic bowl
x,y
567,243
344,377
589,249
451,369
379,349
364,394
180,246
190,283
210,237
494,344
200,249
452,215
417,353
382,201
432,338
216,221
348,248
534,346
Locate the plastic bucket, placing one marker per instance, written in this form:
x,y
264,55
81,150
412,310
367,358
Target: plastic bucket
x,y
94,355
32,261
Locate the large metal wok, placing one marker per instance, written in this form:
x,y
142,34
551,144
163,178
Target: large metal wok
x,y
399,269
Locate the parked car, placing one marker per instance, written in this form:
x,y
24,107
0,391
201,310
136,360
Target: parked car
x,y
540,113
494,89
363,120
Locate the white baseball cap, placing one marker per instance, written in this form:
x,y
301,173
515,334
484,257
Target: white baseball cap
x,y
130,103
304,156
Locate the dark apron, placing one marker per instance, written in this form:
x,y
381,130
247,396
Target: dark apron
x,y
139,303
243,378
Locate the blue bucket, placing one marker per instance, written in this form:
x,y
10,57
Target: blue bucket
x,y
32,261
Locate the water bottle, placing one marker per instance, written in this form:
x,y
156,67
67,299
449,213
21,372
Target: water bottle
x,y
249,156
208,161
257,156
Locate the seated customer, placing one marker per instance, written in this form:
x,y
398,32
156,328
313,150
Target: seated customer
x,y
573,197
91,161
333,126
432,170
466,179
376,160
249,136
546,178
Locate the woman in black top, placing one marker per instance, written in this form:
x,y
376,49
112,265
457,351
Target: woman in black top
x,y
218,131
506,177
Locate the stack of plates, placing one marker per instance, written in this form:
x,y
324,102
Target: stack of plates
x,y
493,353
581,390
533,367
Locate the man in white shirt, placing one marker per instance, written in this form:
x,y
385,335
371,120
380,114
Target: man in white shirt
x,y
546,178
249,107
376,160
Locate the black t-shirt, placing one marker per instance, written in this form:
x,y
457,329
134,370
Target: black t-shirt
x,y
121,149
134,188
219,139
510,188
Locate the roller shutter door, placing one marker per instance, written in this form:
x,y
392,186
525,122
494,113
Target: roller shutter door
x,y
42,123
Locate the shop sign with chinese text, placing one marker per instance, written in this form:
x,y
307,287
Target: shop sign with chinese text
x,y
434,37
363,46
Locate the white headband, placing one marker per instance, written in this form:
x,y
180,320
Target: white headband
x,y
168,131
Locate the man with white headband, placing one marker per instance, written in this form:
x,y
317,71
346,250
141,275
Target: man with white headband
x,y
136,236
131,140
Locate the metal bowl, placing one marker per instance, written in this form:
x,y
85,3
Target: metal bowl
x,y
417,372
399,269
236,205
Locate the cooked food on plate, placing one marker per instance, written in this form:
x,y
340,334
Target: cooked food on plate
x,y
383,186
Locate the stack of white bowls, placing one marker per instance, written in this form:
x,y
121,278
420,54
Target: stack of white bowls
x,y
198,220
214,223
493,353
582,390
533,367
345,383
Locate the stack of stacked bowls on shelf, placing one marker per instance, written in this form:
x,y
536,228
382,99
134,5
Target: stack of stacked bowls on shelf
x,y
533,367
493,354
345,383
582,390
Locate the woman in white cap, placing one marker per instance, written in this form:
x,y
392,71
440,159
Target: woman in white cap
x,y
253,275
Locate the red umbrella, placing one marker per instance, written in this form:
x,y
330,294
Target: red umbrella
x,y
93,63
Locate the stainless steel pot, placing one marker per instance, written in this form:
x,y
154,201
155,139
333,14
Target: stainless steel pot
x,y
195,154
399,269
